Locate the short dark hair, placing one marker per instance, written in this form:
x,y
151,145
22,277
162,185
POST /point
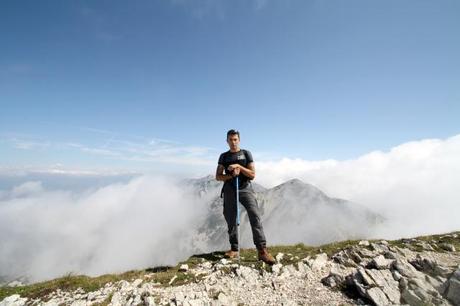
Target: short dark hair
x,y
233,132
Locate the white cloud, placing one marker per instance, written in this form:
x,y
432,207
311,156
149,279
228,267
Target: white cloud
x,y
158,152
200,9
97,151
28,144
416,184
143,223
59,169
115,148
48,232
27,189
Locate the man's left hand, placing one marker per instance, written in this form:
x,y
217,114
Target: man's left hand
x,y
234,168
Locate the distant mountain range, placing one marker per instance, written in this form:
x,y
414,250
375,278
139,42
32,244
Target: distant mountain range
x,y
292,212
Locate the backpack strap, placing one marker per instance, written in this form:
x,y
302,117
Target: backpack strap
x,y
246,156
245,153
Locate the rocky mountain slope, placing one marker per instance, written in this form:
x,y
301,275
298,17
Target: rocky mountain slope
x,y
291,212
411,271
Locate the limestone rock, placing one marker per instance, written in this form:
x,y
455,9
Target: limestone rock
x,y
448,247
278,257
183,268
380,262
13,300
319,261
453,289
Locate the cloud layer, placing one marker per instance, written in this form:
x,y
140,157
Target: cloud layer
x,y
139,224
416,184
108,226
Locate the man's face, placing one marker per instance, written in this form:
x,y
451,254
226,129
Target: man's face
x,y
233,142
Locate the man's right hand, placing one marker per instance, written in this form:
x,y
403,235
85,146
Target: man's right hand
x,y
236,172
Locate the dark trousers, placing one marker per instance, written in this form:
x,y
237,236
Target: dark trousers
x,y
248,200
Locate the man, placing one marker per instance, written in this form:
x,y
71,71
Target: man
x,y
239,162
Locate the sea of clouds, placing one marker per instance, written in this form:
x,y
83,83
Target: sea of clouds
x,y
49,229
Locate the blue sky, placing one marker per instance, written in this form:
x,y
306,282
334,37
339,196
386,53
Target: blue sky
x,y
155,85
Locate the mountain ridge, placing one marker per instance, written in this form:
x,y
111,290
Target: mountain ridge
x,y
291,212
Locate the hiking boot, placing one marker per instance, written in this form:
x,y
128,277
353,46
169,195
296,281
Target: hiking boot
x,y
266,257
231,254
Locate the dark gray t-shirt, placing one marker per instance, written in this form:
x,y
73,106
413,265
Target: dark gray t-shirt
x,y
242,157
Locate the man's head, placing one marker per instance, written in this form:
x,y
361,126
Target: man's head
x,y
233,139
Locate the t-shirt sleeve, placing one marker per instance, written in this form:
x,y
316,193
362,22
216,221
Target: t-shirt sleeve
x,y
249,157
221,159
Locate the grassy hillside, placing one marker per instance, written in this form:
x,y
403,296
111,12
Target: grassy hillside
x,y
162,275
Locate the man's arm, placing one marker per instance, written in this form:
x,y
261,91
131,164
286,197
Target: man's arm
x,y
220,176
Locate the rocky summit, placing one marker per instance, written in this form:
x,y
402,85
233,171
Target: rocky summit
x,y
411,271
